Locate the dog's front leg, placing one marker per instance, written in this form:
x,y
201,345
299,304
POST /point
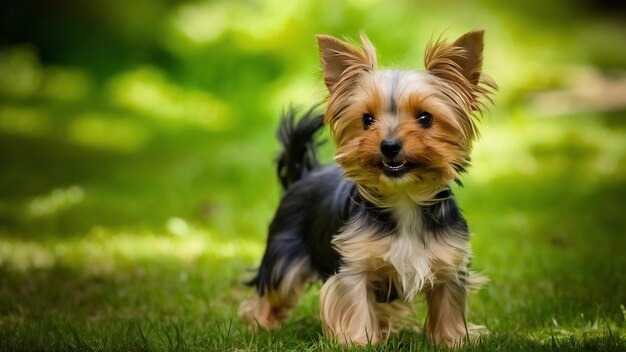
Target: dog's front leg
x,y
347,309
445,324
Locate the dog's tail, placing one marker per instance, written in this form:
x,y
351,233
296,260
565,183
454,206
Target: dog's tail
x,y
298,156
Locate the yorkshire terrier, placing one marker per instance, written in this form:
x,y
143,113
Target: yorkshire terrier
x,y
383,225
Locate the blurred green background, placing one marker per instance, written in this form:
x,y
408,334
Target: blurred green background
x,y
137,177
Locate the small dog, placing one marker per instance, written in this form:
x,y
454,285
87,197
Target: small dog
x,y
383,225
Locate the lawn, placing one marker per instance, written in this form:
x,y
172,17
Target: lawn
x,y
136,188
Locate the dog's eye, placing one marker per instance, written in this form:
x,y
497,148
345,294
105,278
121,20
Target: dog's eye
x,y
425,119
368,120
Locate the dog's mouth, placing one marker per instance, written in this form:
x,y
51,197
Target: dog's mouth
x,y
392,168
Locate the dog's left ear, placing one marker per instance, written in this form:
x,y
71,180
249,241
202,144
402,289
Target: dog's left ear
x,y
460,60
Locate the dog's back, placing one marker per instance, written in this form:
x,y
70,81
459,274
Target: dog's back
x,y
314,206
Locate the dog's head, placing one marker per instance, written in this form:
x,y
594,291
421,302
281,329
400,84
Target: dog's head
x,y
403,130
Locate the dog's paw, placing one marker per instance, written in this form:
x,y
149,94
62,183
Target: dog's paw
x,y
256,312
476,332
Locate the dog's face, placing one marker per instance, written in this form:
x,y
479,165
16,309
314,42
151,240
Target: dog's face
x,y
404,131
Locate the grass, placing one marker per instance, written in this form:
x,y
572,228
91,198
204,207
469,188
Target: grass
x,y
103,250
137,183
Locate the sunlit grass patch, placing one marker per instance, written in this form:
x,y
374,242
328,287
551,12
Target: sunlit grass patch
x,y
200,24
146,91
103,251
548,146
20,71
22,76
24,120
102,131
66,84
582,329
57,200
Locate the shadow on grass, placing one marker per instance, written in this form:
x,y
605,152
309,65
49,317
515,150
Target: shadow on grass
x,y
127,191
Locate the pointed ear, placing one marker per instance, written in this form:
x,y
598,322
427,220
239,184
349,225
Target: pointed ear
x,y
341,61
472,62
464,57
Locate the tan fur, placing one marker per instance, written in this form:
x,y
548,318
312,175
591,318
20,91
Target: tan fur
x,y
348,310
409,259
452,90
459,65
398,257
350,313
436,150
270,310
445,323
343,66
443,91
343,62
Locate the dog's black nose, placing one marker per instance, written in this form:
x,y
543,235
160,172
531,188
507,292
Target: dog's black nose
x,y
390,147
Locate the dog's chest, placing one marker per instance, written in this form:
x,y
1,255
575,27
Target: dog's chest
x,y
408,253
401,256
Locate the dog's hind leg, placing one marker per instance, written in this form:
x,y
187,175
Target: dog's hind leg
x,y
279,283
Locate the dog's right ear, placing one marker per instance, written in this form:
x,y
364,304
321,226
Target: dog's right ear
x,y
343,62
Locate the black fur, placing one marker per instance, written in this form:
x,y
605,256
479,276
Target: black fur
x,y
444,217
317,203
393,104
298,156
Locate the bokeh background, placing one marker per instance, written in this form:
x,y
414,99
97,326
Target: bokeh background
x,y
137,147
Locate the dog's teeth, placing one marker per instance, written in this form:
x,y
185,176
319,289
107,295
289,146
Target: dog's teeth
x,y
393,168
